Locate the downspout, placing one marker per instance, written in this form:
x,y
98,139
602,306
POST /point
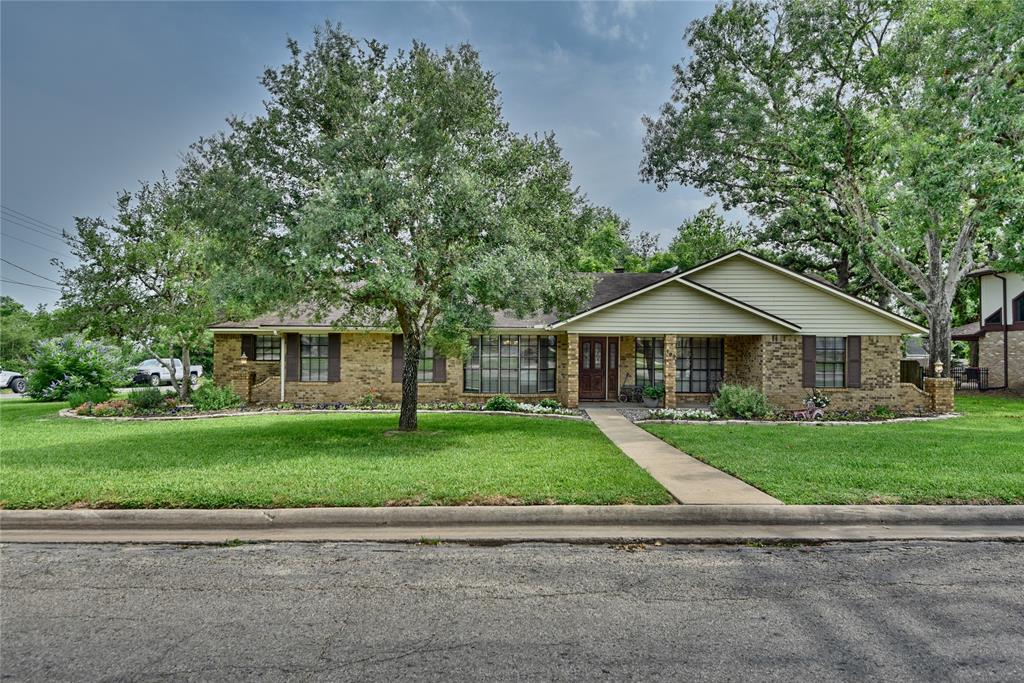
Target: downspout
x,y
1006,335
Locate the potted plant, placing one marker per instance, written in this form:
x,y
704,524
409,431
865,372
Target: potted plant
x,y
653,394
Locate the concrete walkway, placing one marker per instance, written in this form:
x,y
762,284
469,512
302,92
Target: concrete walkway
x,y
690,481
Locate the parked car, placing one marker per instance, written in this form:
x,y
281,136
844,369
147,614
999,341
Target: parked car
x,y
155,373
14,381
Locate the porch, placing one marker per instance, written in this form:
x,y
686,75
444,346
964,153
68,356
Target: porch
x,y
612,370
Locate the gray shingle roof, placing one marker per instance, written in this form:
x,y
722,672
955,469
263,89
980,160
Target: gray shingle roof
x,y
607,288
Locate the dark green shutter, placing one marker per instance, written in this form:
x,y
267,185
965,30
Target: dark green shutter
x,y
397,356
810,350
291,366
334,358
440,367
853,362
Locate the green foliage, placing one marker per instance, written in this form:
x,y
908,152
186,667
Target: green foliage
x,y
654,391
698,239
212,397
419,208
147,399
883,412
90,395
739,402
819,398
501,402
144,277
72,363
879,137
549,403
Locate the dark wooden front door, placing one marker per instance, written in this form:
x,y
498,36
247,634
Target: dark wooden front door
x,y
593,361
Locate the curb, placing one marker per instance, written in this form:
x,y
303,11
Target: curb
x,y
513,515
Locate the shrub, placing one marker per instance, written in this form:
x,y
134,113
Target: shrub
x,y
818,398
147,399
501,402
884,412
735,401
654,391
212,397
90,395
549,403
73,363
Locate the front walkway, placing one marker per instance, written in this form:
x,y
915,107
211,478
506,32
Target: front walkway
x,y
690,481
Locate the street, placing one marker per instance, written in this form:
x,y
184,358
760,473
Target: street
x,y
293,611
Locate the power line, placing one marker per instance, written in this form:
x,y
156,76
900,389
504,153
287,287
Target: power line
x,y
29,284
42,277
8,219
34,220
33,244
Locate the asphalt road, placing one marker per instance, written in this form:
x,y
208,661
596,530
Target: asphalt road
x,y
907,611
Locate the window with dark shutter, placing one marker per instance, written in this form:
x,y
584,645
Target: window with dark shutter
x,y
808,360
853,362
397,356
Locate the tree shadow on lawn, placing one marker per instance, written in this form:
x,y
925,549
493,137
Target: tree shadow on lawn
x,y
246,441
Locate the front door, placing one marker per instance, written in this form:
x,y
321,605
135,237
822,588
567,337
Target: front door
x,y
593,360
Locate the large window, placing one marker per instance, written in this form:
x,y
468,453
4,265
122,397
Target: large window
x,y
425,366
313,358
830,362
511,364
699,364
268,348
650,361
1018,309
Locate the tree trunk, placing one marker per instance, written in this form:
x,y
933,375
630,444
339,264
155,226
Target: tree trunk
x,y
407,419
940,324
185,390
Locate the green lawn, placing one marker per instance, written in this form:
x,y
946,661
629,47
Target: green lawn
x,y
308,460
978,458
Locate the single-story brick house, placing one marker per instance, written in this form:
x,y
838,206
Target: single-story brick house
x,y
737,319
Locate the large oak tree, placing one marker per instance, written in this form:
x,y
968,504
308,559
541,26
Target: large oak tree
x,y
390,193
888,133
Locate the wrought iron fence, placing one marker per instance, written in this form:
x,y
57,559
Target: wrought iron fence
x,y
970,378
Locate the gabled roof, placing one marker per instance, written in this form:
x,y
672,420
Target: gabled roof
x,y
811,281
670,277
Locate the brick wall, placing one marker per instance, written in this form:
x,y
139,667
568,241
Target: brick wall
x,y
742,362
990,355
783,374
365,368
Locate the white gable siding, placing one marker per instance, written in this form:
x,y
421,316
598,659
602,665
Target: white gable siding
x,y
992,293
815,311
674,308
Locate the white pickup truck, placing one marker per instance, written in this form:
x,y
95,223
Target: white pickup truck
x,y
155,373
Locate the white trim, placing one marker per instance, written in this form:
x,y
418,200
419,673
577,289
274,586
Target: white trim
x,y
284,359
703,289
877,310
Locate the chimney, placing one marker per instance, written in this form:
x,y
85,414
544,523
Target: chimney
x,y
618,269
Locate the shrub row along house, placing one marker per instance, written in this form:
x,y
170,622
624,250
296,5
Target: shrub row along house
x,y
738,319
997,337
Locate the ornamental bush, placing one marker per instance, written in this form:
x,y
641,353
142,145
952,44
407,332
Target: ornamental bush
x,y
501,402
212,397
73,363
147,399
90,395
735,401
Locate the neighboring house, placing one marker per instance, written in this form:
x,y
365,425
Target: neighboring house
x,y
738,319
997,338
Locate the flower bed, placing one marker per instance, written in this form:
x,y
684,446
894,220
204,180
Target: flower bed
x,y
170,407
783,417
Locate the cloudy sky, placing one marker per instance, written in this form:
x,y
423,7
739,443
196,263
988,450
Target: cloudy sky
x,y
96,96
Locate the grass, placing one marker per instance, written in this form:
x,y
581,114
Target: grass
x,y
308,460
978,458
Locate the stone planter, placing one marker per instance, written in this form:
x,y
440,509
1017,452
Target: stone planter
x,y
651,402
